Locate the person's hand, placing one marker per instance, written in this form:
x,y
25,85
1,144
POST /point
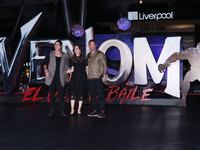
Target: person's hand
x,y
162,67
72,68
104,78
47,73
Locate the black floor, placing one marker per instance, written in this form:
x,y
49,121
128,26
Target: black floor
x,y
27,126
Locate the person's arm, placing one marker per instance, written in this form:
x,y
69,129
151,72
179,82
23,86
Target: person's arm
x,y
174,57
86,63
70,67
104,68
45,64
46,71
70,70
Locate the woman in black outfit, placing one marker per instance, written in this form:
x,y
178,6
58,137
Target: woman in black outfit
x,y
78,88
55,66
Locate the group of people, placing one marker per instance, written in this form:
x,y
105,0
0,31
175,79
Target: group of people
x,y
57,66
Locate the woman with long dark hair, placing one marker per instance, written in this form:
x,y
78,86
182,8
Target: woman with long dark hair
x,y
56,68
78,89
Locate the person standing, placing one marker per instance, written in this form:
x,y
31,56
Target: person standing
x,y
78,86
55,67
97,68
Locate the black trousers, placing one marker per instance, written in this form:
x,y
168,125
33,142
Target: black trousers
x,y
56,83
94,84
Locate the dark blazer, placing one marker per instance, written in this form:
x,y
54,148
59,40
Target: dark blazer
x,y
52,68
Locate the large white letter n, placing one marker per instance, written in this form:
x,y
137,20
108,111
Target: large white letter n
x,y
143,57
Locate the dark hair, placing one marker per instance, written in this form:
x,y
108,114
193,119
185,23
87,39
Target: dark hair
x,y
81,54
59,41
92,41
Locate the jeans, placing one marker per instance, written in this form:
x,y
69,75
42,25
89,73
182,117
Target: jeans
x,y
94,84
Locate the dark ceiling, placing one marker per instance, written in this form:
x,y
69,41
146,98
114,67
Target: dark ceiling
x,y
101,14
98,11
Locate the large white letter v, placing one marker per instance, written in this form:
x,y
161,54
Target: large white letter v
x,y
11,73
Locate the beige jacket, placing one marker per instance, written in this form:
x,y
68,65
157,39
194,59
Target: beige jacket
x,y
52,68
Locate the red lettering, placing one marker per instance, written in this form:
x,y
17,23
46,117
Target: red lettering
x,y
67,98
128,95
112,92
35,98
66,95
25,98
123,92
145,94
48,97
89,96
56,94
133,94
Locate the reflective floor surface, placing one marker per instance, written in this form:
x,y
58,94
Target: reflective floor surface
x,y
27,126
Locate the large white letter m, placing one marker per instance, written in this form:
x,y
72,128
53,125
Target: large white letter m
x,y
143,57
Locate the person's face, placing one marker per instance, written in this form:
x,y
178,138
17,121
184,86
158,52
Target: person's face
x,y
92,46
77,51
57,46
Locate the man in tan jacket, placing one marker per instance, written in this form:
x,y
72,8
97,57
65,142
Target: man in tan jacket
x,y
97,69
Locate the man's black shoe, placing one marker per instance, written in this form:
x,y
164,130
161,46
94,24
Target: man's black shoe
x,y
63,114
93,114
101,114
51,113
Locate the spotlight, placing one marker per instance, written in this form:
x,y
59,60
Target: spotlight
x,y
124,23
77,30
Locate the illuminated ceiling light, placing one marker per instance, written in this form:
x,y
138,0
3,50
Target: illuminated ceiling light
x,y
182,26
124,23
77,30
140,1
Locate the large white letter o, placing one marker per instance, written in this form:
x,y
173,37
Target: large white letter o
x,y
126,61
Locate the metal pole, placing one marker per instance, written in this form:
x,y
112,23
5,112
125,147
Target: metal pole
x,y
67,16
16,25
83,13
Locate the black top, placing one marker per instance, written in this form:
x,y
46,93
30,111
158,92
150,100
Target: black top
x,y
57,72
84,63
